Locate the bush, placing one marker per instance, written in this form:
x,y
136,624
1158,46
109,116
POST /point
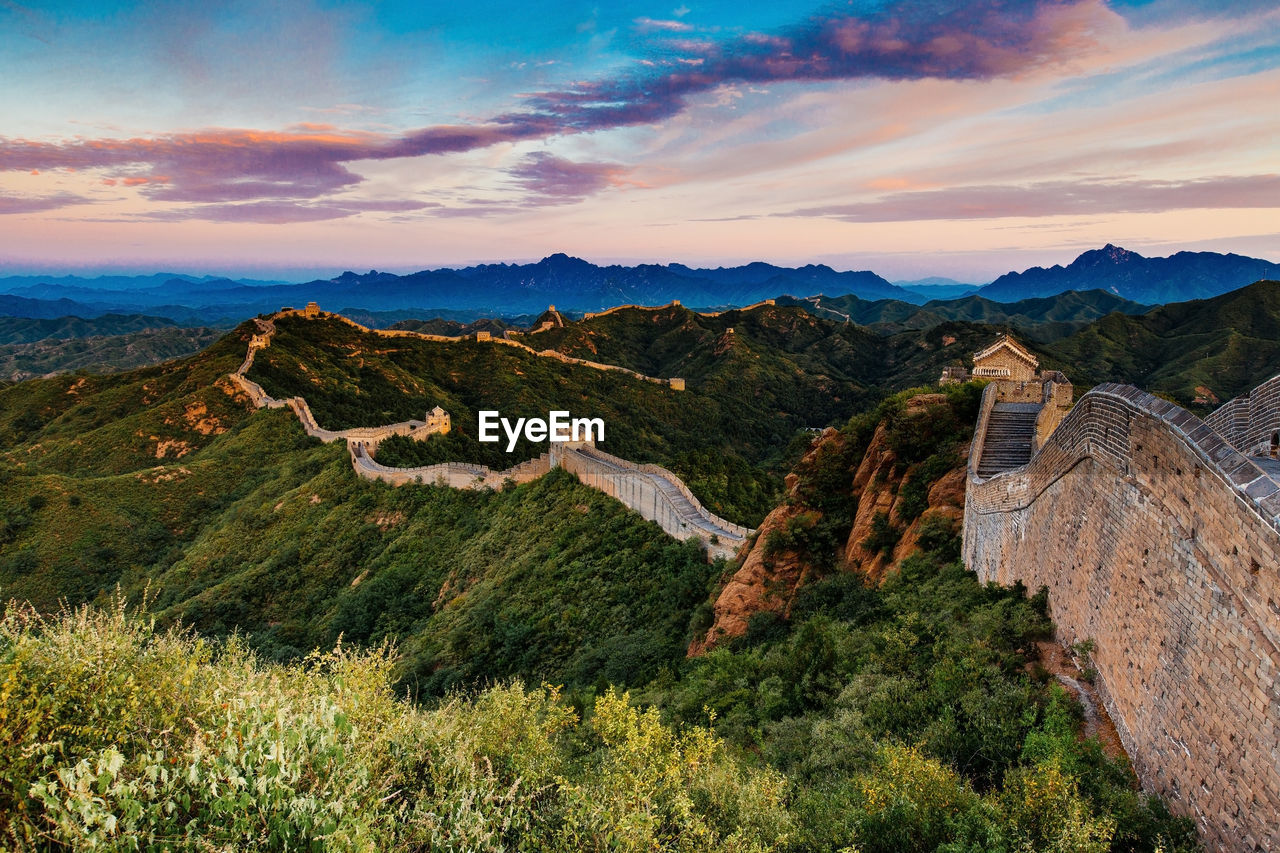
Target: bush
x,y
116,736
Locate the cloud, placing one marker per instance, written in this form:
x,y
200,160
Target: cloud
x,y
906,40
279,213
1060,198
10,204
647,25
549,179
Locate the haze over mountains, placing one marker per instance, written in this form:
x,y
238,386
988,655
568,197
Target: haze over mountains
x,y
576,285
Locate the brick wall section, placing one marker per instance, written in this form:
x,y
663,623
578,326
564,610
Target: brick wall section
x,y
1248,422
459,475
1058,397
656,494
1161,542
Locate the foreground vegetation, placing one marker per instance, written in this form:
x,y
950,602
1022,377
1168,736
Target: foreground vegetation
x,y
913,716
116,736
885,719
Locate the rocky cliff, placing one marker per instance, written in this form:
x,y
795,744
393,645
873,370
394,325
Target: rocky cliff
x,y
852,504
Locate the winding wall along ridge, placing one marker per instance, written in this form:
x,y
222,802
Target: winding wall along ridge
x,y
654,492
1160,541
676,383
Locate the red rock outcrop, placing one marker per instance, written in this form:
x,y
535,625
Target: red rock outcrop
x,y
769,576
765,581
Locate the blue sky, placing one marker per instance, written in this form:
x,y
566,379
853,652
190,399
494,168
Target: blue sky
x,y
912,137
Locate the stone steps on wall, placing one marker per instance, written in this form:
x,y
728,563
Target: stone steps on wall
x,y
1011,432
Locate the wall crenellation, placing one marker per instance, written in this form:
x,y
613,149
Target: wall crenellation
x,y
1160,541
1252,422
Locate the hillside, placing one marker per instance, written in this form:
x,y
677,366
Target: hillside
x,y
1180,277
723,436
1196,352
240,522
97,353
1043,319
905,714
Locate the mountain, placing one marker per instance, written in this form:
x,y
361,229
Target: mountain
x,y
496,290
938,287
44,309
1043,319
22,330
1177,278
1196,352
879,712
101,353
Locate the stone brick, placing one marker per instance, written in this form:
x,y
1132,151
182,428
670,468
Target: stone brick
x,y
1157,567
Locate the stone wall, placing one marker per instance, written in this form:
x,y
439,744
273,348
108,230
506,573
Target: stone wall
x,y
458,475
1250,421
1160,542
654,492
1058,397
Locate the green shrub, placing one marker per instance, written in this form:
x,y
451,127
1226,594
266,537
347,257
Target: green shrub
x,y
116,736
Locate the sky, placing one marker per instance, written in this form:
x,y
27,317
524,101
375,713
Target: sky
x,y
912,137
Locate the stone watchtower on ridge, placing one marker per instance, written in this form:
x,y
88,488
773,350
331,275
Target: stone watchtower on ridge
x,y
1021,408
1005,359
437,421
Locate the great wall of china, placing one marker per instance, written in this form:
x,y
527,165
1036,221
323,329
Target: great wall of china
x,y
1156,533
1158,537
654,492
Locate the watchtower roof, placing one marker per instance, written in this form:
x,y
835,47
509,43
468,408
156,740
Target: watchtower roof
x,y
1008,343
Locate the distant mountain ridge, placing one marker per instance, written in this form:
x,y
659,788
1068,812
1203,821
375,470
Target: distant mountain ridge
x,y
492,289
503,290
1153,281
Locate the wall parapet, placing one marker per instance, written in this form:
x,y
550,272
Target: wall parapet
x,y
1160,541
736,531
1250,422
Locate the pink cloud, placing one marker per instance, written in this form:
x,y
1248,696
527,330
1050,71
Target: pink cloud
x,y
282,212
553,180
1060,198
10,204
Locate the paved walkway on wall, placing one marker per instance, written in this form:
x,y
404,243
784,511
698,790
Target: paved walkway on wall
x,y
692,513
685,517
1269,466
1011,433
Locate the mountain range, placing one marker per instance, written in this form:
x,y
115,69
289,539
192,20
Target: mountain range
x,y
1177,278
575,286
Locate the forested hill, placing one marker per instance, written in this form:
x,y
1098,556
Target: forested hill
x,y
1043,319
1197,352
914,714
